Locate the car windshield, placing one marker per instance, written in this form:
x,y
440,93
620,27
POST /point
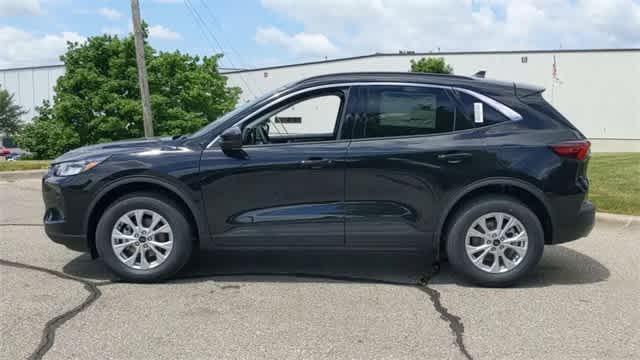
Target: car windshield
x,y
212,125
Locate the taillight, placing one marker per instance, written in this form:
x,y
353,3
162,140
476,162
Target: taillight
x,y
578,150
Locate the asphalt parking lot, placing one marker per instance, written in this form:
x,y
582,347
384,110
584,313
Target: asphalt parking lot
x,y
581,303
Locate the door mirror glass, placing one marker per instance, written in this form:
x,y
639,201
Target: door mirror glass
x,y
478,113
231,140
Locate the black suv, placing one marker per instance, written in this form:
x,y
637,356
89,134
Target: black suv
x,y
484,173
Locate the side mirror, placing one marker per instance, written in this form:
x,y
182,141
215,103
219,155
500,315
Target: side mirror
x,y
231,140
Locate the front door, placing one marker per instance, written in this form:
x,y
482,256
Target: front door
x,y
286,188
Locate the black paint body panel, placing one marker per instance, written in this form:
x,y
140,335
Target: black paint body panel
x,y
265,179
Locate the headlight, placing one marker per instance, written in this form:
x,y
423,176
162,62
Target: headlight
x,y
75,167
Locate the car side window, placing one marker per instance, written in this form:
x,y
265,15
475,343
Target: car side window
x,y
310,118
491,115
317,115
391,111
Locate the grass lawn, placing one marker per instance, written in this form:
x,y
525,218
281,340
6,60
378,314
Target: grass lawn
x,y
615,182
23,165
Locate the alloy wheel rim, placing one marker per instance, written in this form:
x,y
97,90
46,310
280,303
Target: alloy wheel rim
x,y
496,242
142,239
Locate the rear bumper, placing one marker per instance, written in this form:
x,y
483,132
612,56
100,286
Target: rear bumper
x,y
578,226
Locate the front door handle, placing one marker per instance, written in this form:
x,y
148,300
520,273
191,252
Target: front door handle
x,y
454,158
315,163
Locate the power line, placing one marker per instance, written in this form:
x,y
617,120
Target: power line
x,y
200,24
230,46
215,39
233,49
219,24
203,24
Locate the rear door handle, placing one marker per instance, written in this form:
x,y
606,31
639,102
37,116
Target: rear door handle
x,y
315,162
454,158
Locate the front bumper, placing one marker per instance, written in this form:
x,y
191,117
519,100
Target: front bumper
x,y
73,242
65,212
577,226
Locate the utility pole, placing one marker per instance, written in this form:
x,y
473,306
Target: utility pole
x,y
147,116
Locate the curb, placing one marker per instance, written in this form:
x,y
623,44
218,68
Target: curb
x,y
21,174
618,219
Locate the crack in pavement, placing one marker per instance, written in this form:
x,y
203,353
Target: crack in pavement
x,y
455,322
49,332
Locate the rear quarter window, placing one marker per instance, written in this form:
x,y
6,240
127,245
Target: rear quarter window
x,y
491,115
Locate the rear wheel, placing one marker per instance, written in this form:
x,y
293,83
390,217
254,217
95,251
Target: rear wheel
x,y
494,240
144,238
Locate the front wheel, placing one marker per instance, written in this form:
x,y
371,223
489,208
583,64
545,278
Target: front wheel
x,y
494,240
144,238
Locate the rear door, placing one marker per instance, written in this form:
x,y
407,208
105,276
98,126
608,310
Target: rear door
x,y
411,150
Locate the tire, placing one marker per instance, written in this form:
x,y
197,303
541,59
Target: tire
x,y
177,238
485,273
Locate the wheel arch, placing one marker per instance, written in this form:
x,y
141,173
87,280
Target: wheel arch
x,y
528,193
114,191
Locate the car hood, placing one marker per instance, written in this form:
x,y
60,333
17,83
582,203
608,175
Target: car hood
x,y
116,147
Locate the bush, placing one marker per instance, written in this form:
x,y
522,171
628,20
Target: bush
x,y
431,65
47,137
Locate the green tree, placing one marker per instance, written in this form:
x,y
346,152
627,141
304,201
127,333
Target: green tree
x,y
98,98
431,65
10,114
47,137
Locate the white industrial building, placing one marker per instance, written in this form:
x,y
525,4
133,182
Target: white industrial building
x,y
596,89
31,85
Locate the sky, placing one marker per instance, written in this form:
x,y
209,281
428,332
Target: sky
x,y
257,33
